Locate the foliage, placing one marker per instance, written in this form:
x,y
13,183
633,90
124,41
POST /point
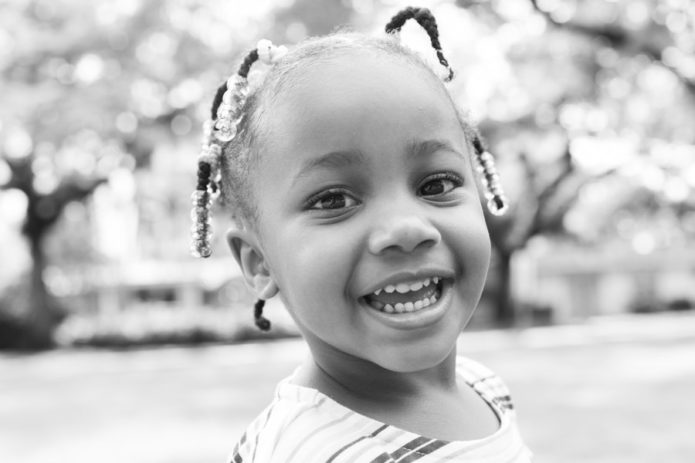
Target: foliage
x,y
595,100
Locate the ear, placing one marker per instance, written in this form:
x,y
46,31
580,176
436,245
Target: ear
x,y
245,249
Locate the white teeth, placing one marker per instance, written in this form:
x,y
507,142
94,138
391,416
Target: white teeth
x,y
404,307
403,288
416,286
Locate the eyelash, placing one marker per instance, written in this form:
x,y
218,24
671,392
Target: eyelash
x,y
323,195
456,180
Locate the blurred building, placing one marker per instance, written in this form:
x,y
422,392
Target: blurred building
x,y
576,282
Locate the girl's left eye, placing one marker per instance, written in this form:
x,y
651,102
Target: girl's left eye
x,y
439,185
331,200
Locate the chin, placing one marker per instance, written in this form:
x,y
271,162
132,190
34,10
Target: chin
x,y
415,358
418,354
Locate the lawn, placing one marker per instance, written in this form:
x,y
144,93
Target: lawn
x,y
607,400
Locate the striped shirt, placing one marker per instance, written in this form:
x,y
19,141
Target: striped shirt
x,y
303,425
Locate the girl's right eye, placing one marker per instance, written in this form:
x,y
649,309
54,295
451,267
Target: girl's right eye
x,y
331,200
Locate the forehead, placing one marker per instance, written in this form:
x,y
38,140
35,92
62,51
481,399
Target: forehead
x,y
356,97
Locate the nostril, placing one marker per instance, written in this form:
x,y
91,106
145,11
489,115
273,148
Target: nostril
x,y
404,235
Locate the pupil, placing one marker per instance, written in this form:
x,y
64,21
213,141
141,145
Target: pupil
x,y
432,188
334,202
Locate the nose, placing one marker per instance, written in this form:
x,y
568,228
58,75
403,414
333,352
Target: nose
x,y
404,233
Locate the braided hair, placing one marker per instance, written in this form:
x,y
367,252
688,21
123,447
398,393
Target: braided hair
x,y
426,20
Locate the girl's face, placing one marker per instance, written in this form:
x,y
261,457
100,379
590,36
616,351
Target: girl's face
x,y
369,218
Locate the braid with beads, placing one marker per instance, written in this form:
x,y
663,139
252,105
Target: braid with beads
x,y
426,20
497,203
243,71
220,129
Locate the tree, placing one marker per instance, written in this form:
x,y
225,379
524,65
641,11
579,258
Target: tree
x,y
601,75
89,89
43,210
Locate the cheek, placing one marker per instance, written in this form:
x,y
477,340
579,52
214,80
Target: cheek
x,y
472,246
311,268
482,251
314,292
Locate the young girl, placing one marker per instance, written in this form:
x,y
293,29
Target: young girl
x,y
350,175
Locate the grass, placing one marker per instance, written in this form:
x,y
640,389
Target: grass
x,y
607,402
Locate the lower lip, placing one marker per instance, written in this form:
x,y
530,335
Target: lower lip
x,y
420,318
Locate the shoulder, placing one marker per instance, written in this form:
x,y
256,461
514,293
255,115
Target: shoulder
x,y
486,382
280,422
301,424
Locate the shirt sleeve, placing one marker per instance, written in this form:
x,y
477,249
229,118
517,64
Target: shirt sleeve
x,y
486,383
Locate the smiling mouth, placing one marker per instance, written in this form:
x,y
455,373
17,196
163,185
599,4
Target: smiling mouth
x,y
406,297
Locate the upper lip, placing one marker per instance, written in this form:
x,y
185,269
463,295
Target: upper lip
x,y
408,277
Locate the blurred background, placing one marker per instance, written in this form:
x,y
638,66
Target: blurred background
x,y
114,342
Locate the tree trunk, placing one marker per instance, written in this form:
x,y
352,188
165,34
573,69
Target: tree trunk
x,y
43,309
504,306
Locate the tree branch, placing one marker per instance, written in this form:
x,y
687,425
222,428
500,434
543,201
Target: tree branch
x,y
20,174
619,38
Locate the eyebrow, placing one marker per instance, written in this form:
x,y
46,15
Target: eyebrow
x,y
347,158
332,160
418,148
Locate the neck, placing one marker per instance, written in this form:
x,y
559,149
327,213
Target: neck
x,y
341,375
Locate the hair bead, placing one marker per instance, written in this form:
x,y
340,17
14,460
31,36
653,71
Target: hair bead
x,y
237,82
226,130
264,47
497,203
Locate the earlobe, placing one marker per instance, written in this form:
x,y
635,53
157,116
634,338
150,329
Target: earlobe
x,y
265,286
246,252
